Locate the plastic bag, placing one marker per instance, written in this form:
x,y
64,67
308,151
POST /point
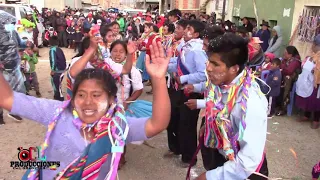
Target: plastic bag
x,y
9,56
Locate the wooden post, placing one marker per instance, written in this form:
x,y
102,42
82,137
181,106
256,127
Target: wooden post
x,y
224,10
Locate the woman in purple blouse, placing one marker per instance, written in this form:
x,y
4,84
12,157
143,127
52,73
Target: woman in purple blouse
x,y
87,134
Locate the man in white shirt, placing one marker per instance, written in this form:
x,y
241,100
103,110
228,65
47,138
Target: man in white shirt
x,y
241,153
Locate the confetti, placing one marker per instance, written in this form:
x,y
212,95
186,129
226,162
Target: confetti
x,y
278,150
268,133
294,153
276,123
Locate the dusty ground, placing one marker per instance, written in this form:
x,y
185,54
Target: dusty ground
x,y
145,163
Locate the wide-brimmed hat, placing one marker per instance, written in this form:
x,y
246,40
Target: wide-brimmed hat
x,y
265,23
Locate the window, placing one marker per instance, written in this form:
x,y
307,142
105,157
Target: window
x,y
273,23
238,22
8,9
23,12
309,24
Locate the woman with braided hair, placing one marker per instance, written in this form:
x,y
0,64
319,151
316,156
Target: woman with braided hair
x,y
87,134
236,112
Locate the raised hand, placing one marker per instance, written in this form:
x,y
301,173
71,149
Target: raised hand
x,y
94,39
159,65
132,47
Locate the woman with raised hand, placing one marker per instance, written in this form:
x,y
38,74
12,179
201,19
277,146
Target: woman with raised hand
x,y
92,121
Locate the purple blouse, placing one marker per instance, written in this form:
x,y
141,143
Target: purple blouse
x,y
66,143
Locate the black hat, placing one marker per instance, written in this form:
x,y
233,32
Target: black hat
x,y
244,18
265,23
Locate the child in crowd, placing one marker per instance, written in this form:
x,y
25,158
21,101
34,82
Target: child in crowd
x,y
78,36
71,34
30,73
49,34
58,66
274,81
266,65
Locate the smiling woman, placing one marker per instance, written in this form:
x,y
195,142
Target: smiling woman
x,y
93,120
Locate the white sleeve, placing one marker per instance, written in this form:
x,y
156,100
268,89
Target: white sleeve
x,y
114,66
136,79
251,147
74,60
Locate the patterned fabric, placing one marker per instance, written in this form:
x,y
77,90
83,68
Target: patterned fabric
x,y
6,18
168,41
218,131
108,133
181,70
69,87
15,80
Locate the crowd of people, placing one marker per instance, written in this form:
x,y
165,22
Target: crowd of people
x,y
237,75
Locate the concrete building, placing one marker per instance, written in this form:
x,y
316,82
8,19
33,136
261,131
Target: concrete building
x,y
210,6
285,13
190,6
303,7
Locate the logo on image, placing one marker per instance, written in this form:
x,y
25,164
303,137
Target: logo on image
x,y
31,159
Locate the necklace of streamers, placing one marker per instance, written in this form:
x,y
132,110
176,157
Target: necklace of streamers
x,y
110,121
218,128
145,35
167,41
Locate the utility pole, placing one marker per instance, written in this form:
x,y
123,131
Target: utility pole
x,y
224,10
144,4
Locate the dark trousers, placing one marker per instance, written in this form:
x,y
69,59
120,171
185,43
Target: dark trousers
x,y
272,102
211,158
32,81
173,127
316,115
77,46
182,129
35,36
62,36
56,81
